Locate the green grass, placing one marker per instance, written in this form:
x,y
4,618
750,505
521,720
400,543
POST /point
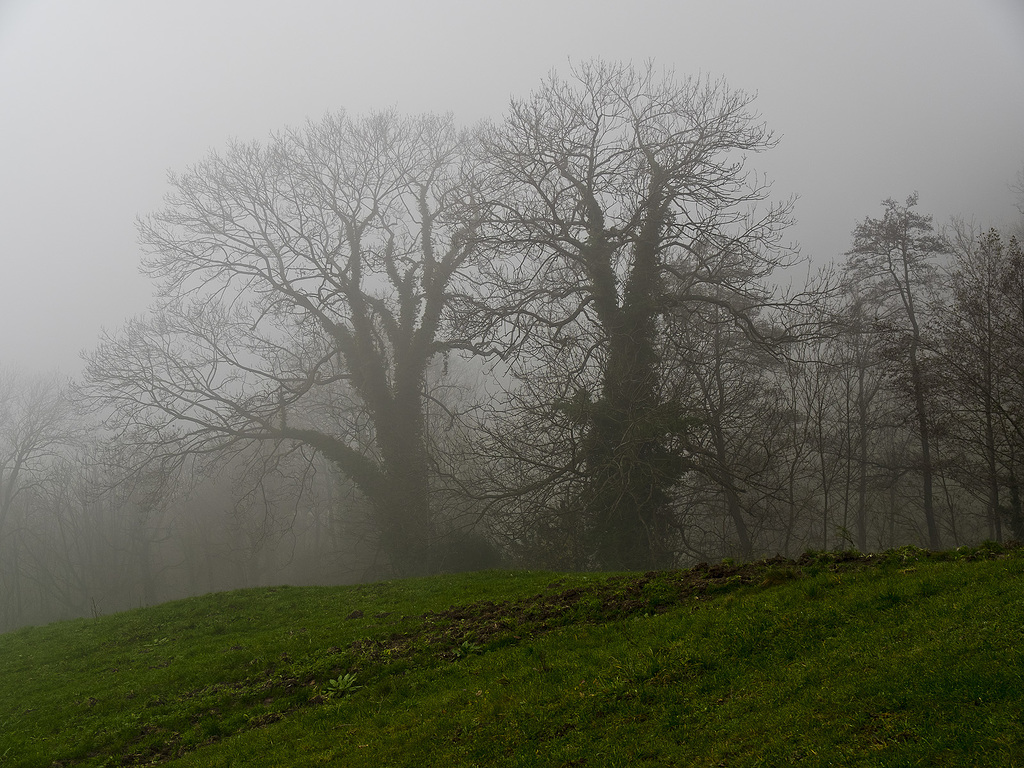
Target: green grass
x,y
908,658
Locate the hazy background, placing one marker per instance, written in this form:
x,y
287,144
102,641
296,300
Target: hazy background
x,y
98,99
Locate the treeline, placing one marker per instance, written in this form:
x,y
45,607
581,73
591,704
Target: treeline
x,y
384,345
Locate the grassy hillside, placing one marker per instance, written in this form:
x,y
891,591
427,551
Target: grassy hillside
x,y
907,658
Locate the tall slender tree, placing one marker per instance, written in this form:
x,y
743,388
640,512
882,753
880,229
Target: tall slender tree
x,y
895,258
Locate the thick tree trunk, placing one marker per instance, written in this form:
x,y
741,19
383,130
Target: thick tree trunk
x,y
396,487
408,533
627,488
630,471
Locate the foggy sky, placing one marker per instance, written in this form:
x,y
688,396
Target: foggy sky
x,y
99,99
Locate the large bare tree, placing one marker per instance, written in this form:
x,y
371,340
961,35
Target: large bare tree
x,y
303,291
620,195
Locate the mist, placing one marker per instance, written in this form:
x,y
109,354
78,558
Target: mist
x,y
105,105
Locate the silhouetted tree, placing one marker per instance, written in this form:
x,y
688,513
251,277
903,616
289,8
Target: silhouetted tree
x,y
619,196
894,259
38,426
982,345
36,422
304,286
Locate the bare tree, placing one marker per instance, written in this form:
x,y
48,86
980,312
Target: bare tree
x,y
621,196
720,375
36,422
894,257
854,360
981,344
304,286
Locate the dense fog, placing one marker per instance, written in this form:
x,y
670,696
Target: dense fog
x,y
579,324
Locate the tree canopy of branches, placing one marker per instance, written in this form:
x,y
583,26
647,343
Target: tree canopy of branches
x,y
620,197
304,286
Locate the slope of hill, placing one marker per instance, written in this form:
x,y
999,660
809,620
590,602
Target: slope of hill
x,y
904,658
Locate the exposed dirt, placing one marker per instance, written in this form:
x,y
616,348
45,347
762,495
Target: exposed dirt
x,y
464,629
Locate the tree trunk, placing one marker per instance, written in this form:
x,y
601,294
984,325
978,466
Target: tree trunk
x,y
630,471
927,470
408,533
994,519
732,497
862,463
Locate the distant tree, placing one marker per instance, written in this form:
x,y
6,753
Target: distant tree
x,y
982,345
894,259
857,354
304,286
723,379
619,196
36,423
806,453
